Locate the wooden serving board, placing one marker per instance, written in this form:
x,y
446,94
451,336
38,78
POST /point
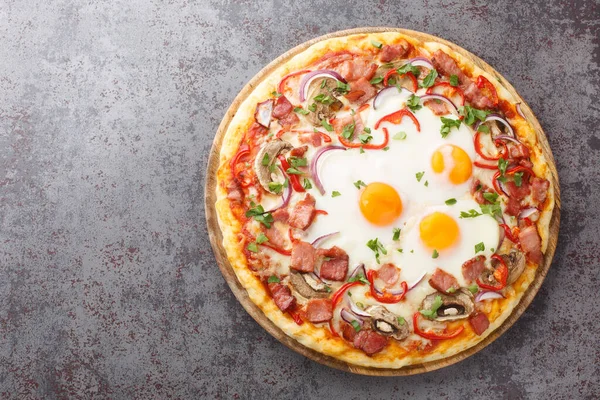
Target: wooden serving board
x,y
216,237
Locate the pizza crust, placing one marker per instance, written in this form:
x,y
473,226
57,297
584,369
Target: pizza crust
x,y
319,338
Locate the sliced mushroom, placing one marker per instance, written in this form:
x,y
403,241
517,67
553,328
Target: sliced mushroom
x,y
515,261
307,286
386,323
272,149
322,111
456,306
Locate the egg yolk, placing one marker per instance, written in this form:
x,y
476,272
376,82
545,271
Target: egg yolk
x,y
461,163
438,231
380,203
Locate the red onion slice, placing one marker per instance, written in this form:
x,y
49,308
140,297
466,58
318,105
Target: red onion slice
x,y
321,239
420,62
415,283
527,212
386,93
263,112
496,117
507,137
355,309
360,269
350,317
443,99
520,111
393,292
311,76
313,165
482,296
287,195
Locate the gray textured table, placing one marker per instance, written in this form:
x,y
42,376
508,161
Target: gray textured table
x,y
108,284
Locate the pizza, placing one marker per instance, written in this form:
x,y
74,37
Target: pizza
x,y
383,200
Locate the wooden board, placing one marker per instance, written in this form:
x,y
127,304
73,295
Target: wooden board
x,y
216,237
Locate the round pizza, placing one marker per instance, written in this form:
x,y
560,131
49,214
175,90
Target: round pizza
x,y
383,200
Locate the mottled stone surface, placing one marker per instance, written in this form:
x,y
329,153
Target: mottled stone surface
x,y
108,284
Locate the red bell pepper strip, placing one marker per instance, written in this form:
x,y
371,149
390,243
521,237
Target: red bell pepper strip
x,y
483,83
478,149
485,166
296,317
368,146
431,335
277,249
294,180
448,90
501,275
281,86
408,75
243,151
386,297
510,171
508,233
396,117
335,299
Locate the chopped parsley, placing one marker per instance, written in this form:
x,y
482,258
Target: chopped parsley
x,y
355,325
470,114
483,128
359,278
400,136
293,171
327,125
454,80
450,202
367,129
426,183
306,184
502,165
342,87
518,178
365,138
469,214
396,234
377,247
275,94
335,193
429,79
301,110
312,107
298,161
361,150
259,214
376,80
273,279
419,175
491,197
386,148
325,99
377,44
253,247
448,124
491,209
435,254
413,102
275,187
432,312
479,247
348,130
261,238
408,68
359,183
265,161
401,320
473,288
